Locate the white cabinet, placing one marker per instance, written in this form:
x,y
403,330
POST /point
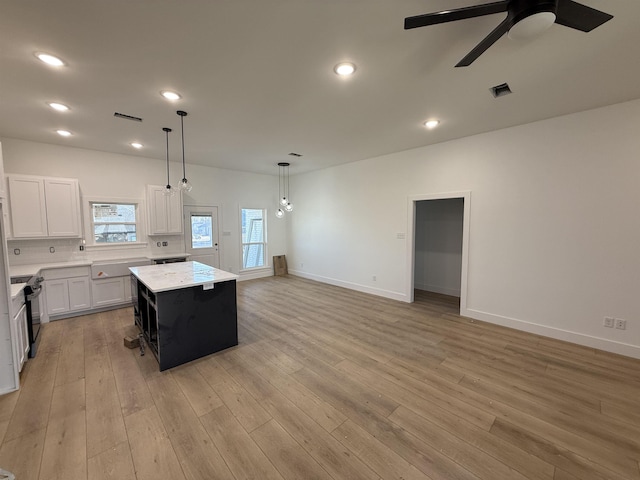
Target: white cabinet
x,y
3,191
67,290
21,342
109,291
44,206
165,211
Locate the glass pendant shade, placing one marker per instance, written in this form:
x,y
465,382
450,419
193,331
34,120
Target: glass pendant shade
x,y
289,207
184,185
168,189
279,213
284,201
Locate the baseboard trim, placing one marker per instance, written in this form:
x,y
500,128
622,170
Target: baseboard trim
x,y
253,275
556,333
351,286
434,288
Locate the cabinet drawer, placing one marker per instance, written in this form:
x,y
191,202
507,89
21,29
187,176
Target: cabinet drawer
x,y
68,272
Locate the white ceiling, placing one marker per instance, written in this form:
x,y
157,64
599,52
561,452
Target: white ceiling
x,y
257,77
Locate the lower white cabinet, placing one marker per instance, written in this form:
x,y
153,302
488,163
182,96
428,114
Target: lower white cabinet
x,y
19,311
67,290
110,291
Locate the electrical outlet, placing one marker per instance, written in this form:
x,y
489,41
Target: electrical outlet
x,y
375,278
164,244
52,249
16,251
301,265
81,248
621,324
609,322
158,244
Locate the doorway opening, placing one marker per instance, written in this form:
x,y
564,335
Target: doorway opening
x,y
438,253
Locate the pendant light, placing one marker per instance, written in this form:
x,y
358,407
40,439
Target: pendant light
x,y
283,190
168,190
185,186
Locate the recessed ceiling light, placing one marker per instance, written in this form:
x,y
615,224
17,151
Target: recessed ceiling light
x,y
58,106
432,123
344,69
63,133
136,145
49,59
169,95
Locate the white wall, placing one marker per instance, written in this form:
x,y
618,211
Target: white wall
x,y
112,175
554,224
438,246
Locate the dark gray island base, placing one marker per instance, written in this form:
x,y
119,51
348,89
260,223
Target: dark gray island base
x,y
187,323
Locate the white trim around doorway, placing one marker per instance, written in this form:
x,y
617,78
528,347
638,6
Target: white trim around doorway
x,y
410,256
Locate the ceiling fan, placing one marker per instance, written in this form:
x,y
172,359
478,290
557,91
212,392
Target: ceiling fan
x,y
525,18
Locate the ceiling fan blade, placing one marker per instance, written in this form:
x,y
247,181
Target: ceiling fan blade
x,y
576,15
456,14
489,40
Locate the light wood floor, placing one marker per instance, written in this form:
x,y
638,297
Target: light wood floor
x,y
325,384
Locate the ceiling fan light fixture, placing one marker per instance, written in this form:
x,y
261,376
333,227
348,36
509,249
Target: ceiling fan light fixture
x,y
532,26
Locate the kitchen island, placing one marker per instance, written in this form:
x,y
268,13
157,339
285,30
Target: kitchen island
x,y
184,310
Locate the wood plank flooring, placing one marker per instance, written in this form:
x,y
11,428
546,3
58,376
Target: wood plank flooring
x,y
326,383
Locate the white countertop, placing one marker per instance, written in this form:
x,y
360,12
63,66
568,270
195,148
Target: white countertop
x,y
168,255
173,276
16,289
33,269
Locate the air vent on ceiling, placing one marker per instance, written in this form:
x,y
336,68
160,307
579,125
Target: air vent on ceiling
x,y
500,90
127,117
293,154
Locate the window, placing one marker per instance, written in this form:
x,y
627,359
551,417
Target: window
x,y
113,222
254,244
201,228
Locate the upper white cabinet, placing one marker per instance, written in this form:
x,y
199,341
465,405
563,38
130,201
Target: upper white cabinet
x,y
3,192
44,206
165,211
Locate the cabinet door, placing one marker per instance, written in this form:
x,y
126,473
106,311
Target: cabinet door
x,y
3,193
62,207
22,342
165,211
174,213
157,208
108,291
28,210
79,296
57,293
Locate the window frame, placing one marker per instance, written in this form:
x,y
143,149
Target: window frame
x,y
264,243
89,237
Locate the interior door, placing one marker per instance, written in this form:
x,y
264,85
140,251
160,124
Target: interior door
x,y
201,234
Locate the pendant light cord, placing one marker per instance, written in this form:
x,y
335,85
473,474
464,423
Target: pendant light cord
x,y
167,130
184,172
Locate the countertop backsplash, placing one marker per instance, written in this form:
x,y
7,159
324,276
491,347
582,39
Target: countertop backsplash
x,y
25,252
49,250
